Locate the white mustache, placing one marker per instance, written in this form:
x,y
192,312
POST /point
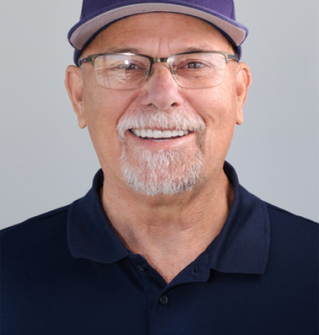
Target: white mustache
x,y
158,119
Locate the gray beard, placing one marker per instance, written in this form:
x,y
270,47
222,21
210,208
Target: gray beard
x,y
162,172
166,171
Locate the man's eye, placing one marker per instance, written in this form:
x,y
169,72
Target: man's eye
x,y
194,65
129,66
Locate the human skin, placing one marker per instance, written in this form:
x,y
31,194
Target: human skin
x,y
169,231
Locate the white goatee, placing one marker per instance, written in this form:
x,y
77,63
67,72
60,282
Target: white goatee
x,y
165,171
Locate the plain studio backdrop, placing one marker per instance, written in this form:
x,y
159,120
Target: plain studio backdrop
x,y
48,162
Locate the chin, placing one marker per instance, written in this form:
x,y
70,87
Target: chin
x,y
162,172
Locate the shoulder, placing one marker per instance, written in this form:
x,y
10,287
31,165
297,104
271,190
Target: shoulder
x,y
285,221
35,240
294,242
36,225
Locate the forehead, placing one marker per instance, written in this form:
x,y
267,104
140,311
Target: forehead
x,y
174,32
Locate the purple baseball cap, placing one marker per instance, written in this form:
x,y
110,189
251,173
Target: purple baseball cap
x,y
96,15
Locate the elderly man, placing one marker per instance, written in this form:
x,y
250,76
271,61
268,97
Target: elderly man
x,y
166,241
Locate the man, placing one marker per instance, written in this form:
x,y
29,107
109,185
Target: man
x,y
166,241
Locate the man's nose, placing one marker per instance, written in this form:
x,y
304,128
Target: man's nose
x,y
161,89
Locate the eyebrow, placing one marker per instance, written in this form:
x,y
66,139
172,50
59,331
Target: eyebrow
x,y
123,50
201,48
138,51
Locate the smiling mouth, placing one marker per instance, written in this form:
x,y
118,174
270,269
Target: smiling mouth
x,y
155,134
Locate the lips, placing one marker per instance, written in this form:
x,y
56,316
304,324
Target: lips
x,y
159,134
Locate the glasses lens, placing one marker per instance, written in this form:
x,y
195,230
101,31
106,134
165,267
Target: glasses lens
x,y
199,70
120,71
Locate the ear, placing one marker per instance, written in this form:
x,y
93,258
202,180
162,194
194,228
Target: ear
x,y
74,85
243,81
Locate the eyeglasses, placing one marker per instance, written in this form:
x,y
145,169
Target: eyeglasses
x,y
127,71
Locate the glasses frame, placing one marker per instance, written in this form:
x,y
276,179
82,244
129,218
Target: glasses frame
x,y
91,58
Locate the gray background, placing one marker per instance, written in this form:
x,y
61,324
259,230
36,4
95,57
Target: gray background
x,y
47,161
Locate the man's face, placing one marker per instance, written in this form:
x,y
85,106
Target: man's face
x,y
149,165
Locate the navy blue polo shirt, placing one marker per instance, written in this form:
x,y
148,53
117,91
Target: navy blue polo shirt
x,y
67,272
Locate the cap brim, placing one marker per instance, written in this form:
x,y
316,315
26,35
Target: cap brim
x,y
85,29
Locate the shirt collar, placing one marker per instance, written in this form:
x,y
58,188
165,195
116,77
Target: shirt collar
x,y
90,234
242,246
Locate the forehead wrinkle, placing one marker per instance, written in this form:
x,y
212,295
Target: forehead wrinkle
x,y
163,44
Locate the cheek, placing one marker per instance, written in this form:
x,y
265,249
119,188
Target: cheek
x,y
217,107
218,110
101,119
103,109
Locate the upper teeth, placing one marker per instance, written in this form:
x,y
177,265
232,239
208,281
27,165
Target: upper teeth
x,y
158,133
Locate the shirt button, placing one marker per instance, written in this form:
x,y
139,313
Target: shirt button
x,y
141,267
164,299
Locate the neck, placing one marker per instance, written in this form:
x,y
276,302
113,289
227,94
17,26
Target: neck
x,y
169,231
